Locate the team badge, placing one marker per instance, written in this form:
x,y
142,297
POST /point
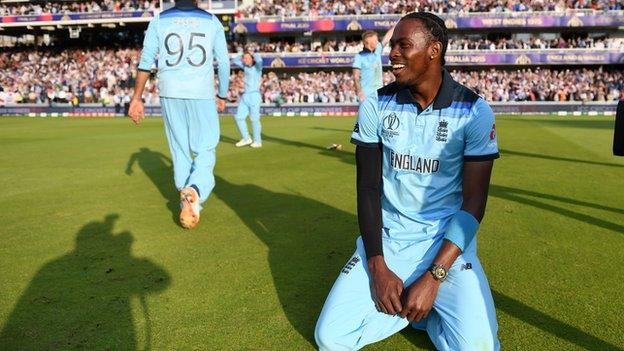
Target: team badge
x,y
442,133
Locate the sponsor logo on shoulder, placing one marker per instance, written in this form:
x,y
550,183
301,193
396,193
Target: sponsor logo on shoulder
x,y
466,266
356,128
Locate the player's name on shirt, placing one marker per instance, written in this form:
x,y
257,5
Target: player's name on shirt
x,y
414,163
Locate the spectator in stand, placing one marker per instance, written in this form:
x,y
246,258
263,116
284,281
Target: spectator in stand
x,y
317,8
25,8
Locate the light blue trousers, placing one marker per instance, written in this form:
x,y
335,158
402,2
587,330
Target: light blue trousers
x,y
192,129
249,105
463,317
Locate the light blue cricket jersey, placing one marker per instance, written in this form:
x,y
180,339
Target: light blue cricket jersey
x,y
371,73
253,74
423,154
186,42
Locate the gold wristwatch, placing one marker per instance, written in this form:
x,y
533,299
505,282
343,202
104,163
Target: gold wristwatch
x,y
438,272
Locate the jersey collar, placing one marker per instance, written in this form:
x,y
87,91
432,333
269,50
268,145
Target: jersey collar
x,y
443,99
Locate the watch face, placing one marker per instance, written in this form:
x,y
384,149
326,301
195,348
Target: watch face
x,y
439,272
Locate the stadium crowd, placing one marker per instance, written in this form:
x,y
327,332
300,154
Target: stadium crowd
x,y
542,84
536,43
73,75
318,8
48,7
454,45
107,76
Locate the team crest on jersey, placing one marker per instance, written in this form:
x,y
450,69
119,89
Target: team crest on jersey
x,y
391,124
442,133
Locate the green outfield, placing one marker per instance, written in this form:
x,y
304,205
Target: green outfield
x,y
92,259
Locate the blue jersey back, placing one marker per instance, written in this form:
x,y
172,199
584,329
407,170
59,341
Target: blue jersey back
x,y
185,43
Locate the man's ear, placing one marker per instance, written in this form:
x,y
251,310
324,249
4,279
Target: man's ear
x,y
435,49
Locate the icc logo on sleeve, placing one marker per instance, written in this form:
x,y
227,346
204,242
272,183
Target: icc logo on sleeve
x,y
391,124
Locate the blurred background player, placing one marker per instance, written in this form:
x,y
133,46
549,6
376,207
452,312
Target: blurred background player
x,y
186,40
249,103
367,69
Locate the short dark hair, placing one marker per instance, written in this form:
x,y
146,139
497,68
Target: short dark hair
x,y
435,26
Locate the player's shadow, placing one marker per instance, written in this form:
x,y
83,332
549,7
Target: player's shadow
x,y
228,140
308,243
82,300
557,158
159,169
549,324
532,198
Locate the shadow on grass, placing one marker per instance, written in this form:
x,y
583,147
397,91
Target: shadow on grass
x,y
520,196
82,300
308,243
557,158
226,139
159,169
540,320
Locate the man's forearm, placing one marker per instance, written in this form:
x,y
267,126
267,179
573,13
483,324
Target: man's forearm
x,y
356,80
386,38
447,254
139,86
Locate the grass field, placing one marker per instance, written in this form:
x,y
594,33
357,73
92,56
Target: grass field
x,y
92,259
